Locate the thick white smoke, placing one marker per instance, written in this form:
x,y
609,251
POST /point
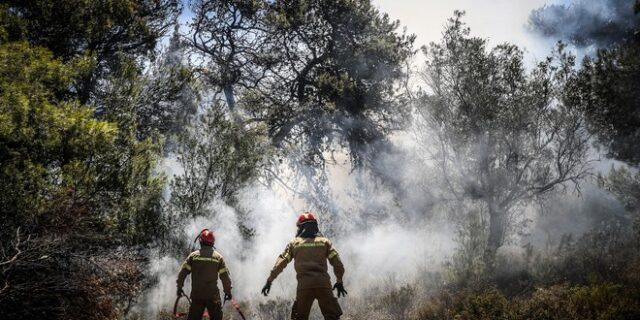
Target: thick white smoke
x,y
384,239
375,246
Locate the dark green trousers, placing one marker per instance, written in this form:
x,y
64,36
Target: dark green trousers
x,y
326,300
214,308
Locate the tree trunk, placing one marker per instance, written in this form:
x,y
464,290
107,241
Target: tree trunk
x,y
497,233
229,96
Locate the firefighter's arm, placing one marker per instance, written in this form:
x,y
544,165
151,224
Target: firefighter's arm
x,y
283,260
223,273
184,272
336,263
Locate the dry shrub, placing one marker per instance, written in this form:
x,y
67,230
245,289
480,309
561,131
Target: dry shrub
x,y
597,302
278,308
71,278
594,277
490,304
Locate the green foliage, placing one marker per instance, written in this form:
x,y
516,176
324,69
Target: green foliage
x,y
71,183
218,157
69,28
467,264
105,29
169,94
59,164
487,305
79,189
600,255
12,28
625,186
606,91
468,305
48,147
347,83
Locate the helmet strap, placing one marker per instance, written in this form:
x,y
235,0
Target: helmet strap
x,y
300,230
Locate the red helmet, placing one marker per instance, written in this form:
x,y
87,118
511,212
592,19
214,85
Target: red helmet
x,y
207,237
306,217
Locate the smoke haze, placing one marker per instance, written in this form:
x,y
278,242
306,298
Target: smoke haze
x,y
387,234
375,241
585,23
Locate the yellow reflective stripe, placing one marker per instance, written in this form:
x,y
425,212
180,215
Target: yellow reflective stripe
x,y
332,254
207,259
310,244
223,270
186,266
287,256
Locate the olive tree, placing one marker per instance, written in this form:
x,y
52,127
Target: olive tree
x,y
501,137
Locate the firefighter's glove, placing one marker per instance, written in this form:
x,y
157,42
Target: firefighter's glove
x,y
266,288
180,292
341,291
228,296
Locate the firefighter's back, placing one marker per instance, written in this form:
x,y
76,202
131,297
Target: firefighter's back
x,y
205,264
310,262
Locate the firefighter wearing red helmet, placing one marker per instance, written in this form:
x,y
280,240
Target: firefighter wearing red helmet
x,y
205,266
310,251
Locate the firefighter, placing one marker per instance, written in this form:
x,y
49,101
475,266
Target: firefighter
x,y
205,266
311,250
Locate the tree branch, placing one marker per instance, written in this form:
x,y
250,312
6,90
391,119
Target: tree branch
x,y
16,247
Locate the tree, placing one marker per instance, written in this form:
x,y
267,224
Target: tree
x,y
315,72
230,36
218,157
71,184
322,76
608,95
501,137
343,60
104,29
625,186
159,102
605,91
47,144
80,193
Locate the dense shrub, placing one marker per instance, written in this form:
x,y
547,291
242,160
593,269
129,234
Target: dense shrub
x,y
597,301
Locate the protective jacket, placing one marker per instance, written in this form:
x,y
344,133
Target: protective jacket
x,y
205,266
310,255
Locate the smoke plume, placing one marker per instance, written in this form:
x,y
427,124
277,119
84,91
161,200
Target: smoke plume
x,y
378,241
585,23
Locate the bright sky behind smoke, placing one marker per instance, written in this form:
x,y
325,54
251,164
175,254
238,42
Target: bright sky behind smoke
x,y
498,20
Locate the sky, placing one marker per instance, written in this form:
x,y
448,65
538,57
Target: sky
x,y
498,20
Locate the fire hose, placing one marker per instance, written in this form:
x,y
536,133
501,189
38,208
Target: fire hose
x,y
177,314
236,306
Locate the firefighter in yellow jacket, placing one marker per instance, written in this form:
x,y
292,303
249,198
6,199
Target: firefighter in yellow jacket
x,y
311,250
205,266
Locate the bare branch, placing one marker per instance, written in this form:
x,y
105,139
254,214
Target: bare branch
x,y
18,243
